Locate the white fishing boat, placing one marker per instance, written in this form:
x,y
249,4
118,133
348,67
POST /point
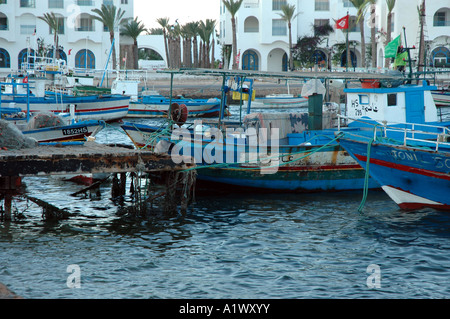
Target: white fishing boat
x,y
280,101
42,96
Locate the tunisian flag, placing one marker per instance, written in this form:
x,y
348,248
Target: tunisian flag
x,y
342,23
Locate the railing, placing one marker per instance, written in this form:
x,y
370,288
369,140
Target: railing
x,y
413,134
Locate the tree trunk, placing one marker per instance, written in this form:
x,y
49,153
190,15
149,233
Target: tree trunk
x,y
213,59
233,26
363,44
135,55
372,36
291,61
56,52
195,44
388,38
166,46
111,38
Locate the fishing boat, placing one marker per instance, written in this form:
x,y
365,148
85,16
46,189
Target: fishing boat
x,y
63,132
411,162
442,97
47,127
155,105
300,151
43,98
280,101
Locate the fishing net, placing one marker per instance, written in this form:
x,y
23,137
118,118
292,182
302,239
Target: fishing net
x,y
44,120
12,138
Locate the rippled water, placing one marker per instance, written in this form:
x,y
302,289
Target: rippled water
x,y
227,246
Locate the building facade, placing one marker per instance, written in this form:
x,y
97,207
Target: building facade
x,y
83,42
263,37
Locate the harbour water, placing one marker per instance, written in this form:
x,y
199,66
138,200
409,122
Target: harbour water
x,y
228,245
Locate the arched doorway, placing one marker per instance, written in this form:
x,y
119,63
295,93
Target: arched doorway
x,y
320,58
353,58
5,60
250,60
26,56
85,59
285,63
440,57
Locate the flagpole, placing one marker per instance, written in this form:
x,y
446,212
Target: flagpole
x,y
346,52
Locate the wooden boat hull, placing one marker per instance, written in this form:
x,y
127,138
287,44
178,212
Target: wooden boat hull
x,y
106,108
66,133
441,98
413,177
159,107
297,169
280,101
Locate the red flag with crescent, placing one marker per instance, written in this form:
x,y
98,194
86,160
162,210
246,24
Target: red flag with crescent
x,y
342,23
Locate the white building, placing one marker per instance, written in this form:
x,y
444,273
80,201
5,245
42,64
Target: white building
x,y
85,42
263,41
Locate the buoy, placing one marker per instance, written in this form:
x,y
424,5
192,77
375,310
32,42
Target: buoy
x,y
179,113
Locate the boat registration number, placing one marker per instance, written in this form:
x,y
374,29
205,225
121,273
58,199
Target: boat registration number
x,y
72,131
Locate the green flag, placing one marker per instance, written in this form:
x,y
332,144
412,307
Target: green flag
x,y
401,59
390,51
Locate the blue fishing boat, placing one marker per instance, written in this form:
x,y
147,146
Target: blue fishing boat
x,y
296,151
411,162
155,105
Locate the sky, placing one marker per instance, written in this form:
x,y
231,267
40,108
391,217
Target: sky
x,y
184,10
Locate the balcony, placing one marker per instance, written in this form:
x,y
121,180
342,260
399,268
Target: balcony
x,y
27,3
86,3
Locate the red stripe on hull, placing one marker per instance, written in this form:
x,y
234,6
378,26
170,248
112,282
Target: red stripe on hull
x,y
405,168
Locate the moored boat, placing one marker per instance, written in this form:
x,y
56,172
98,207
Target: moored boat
x,y
410,162
150,106
37,98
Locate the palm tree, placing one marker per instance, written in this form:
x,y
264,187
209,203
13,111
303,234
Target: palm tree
x,y
390,6
110,17
372,4
361,6
288,15
164,23
233,7
192,29
53,23
206,32
133,29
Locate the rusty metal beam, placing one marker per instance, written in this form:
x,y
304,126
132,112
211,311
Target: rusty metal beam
x,y
82,159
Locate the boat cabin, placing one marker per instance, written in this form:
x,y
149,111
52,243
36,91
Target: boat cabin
x,y
401,104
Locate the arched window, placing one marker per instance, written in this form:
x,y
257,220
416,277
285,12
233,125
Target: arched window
x,y
25,57
250,61
440,57
85,59
5,61
442,18
3,22
251,24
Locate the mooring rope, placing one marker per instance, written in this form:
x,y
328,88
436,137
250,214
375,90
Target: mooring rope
x,y
308,153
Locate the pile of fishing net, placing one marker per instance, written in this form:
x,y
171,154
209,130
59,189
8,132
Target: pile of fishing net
x,y
44,120
12,138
